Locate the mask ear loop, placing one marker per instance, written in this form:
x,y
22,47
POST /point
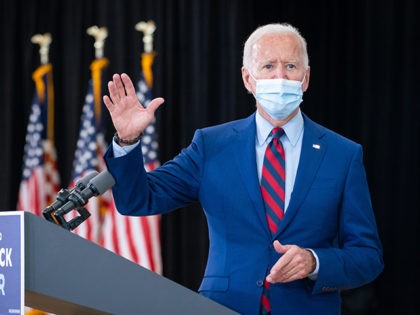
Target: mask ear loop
x,y
250,74
303,80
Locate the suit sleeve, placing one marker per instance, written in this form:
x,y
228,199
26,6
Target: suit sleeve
x,y
173,185
357,259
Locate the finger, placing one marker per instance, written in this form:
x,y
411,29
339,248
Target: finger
x,y
108,103
297,271
128,84
280,248
113,93
119,85
154,104
279,268
282,265
288,276
284,260
282,271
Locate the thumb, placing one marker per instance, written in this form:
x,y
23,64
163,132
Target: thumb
x,y
280,248
154,104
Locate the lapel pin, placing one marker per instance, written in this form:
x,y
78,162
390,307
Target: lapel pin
x,y
316,146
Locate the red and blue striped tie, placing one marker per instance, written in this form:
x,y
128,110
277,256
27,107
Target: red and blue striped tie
x,y
273,180
273,192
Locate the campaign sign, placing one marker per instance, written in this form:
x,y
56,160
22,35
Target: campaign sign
x,y
11,262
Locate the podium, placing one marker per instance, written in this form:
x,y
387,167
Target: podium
x,y
66,274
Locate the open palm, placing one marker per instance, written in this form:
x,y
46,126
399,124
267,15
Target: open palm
x,y
129,117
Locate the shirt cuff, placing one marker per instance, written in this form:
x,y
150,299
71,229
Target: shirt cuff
x,y
314,275
121,151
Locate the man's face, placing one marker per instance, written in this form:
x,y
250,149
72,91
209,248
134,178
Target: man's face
x,y
276,56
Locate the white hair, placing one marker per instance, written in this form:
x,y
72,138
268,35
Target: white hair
x,y
277,28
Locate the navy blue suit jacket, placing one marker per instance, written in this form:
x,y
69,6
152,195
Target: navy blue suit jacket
x,y
329,211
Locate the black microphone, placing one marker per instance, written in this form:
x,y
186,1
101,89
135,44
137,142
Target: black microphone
x,y
96,186
63,195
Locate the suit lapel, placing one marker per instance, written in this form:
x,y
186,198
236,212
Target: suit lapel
x,y
246,163
312,153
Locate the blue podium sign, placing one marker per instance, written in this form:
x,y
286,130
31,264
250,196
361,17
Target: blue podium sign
x,y
11,262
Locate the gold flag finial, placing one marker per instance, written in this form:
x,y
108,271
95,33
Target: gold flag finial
x,y
100,34
148,28
44,41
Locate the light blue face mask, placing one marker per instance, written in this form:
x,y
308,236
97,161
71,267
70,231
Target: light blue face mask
x,y
278,97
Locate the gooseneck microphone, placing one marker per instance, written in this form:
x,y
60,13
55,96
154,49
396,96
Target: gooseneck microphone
x,y
96,186
64,194
91,185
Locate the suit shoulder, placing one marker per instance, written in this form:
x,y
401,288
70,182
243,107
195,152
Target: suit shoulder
x,y
220,136
228,128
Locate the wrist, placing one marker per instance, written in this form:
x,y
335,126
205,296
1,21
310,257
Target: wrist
x,y
313,274
123,142
312,261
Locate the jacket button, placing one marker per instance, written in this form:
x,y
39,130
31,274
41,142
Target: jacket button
x,y
260,283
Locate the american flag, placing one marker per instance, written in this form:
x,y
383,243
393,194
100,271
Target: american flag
x,y
138,238
135,238
40,178
87,159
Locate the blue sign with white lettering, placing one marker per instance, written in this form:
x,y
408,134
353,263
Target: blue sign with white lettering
x,y
11,262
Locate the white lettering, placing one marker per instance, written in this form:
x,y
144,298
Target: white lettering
x,y
2,284
6,257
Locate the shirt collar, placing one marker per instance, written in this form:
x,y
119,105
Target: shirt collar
x,y
292,129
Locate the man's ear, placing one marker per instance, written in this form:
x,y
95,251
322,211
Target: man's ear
x,y
246,79
305,84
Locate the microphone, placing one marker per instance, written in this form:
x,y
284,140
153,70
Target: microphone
x,y
95,186
63,195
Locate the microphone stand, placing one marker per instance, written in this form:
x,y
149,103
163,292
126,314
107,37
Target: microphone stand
x,y
75,222
50,213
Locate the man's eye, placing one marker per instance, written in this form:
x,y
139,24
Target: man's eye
x,y
268,67
290,66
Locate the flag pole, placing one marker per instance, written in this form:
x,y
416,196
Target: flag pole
x,y
44,42
99,34
147,57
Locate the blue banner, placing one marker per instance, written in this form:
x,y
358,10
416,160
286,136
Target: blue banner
x,y
11,263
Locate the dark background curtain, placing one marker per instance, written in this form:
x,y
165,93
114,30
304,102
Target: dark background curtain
x,y
364,57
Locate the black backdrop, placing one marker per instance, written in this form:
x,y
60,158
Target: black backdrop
x,y
364,80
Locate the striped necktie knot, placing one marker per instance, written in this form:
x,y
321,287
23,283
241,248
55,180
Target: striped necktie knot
x,y
277,132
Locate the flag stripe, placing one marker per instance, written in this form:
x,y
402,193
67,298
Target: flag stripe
x,y
146,231
132,247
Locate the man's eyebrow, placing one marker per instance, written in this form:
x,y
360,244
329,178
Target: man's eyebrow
x,y
290,61
268,61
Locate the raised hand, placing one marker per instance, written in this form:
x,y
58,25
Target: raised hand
x,y
129,117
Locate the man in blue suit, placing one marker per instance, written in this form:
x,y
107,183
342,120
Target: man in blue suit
x,y
326,240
